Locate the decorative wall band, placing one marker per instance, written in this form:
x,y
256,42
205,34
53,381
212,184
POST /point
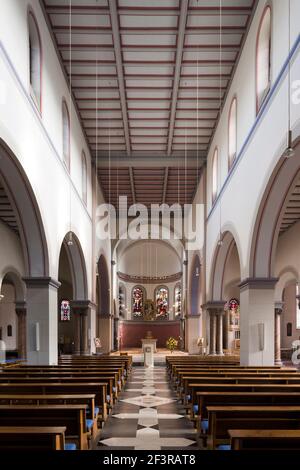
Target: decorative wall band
x,y
149,279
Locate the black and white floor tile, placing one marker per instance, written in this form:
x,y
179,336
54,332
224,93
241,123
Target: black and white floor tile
x,y
148,416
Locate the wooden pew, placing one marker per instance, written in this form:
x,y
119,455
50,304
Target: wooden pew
x,y
223,418
232,398
108,380
32,438
88,399
44,388
73,417
264,439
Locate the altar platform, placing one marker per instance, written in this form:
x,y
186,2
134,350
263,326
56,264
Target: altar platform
x,y
159,356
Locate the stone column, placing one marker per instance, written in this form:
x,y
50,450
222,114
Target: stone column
x,y
42,320
278,312
84,313
219,315
21,329
257,321
215,310
84,326
77,334
212,333
193,331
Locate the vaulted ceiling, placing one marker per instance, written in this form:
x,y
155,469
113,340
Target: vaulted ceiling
x,y
149,78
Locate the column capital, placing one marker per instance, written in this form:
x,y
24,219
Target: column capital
x,y
278,306
82,305
20,307
258,283
215,307
39,281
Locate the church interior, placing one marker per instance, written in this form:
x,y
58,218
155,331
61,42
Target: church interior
x,y
149,218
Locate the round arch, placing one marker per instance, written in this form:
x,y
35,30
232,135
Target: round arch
x,y
103,287
222,253
270,215
13,277
27,213
77,265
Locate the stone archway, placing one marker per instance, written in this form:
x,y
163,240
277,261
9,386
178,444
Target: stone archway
x,y
73,335
258,290
41,330
105,328
218,327
15,310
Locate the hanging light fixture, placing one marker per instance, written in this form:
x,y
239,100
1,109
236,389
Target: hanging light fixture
x,y
220,241
70,235
70,239
289,151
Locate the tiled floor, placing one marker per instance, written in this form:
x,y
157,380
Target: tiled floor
x,y
147,416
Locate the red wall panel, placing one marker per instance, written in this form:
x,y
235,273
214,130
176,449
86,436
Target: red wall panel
x,y
132,332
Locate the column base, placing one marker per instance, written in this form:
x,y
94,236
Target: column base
x,y
278,363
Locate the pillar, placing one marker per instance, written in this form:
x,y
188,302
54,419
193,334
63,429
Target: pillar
x,y
212,333
278,311
257,321
77,334
220,315
21,329
84,313
42,320
215,309
193,332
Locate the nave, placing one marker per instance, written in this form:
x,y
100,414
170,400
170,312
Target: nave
x,y
148,416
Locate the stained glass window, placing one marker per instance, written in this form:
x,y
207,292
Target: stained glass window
x,y
177,300
65,310
162,302
137,302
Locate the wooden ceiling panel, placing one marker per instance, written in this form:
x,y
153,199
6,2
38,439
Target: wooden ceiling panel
x,y
148,80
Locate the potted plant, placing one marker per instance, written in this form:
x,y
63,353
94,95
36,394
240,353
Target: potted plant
x,y
171,343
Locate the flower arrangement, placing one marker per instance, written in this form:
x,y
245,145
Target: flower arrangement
x,y
171,343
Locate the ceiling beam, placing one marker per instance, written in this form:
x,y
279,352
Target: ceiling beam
x,y
132,184
117,47
180,43
165,185
151,161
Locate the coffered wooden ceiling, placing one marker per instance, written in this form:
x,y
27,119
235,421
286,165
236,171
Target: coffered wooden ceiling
x,y
7,215
148,77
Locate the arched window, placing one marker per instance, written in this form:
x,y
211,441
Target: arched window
x,y
232,132
9,330
215,175
162,302
137,301
66,134
122,300
177,300
263,58
35,60
84,177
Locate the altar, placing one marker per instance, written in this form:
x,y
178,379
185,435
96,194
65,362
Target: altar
x,y
149,348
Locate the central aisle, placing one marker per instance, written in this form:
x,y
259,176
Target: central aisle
x,y
148,416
